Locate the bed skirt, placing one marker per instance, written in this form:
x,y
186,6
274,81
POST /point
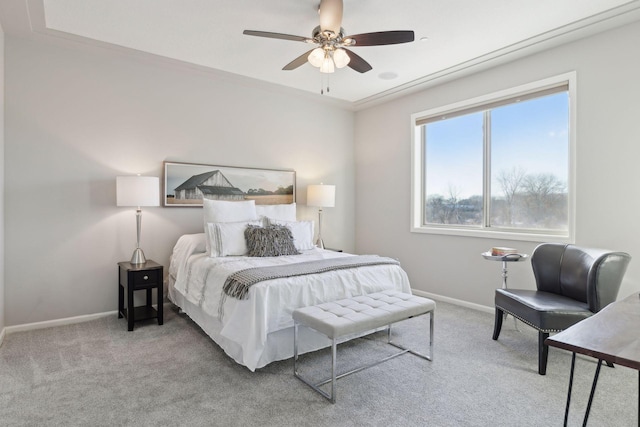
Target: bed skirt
x,y
279,345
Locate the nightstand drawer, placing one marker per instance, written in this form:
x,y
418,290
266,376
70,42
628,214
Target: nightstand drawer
x,y
144,278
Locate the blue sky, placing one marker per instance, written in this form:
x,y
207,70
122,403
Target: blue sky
x,y
532,135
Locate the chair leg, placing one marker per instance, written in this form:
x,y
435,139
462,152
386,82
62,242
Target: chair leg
x,y
543,352
497,326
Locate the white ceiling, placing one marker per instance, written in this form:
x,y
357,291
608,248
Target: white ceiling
x,y
208,33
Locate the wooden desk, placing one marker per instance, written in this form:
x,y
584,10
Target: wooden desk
x,y
610,335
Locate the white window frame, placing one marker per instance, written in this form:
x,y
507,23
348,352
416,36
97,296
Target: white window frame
x,y
417,166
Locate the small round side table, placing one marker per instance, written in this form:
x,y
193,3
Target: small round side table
x,y
505,259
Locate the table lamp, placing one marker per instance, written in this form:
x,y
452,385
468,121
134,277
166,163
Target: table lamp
x,y
138,191
321,196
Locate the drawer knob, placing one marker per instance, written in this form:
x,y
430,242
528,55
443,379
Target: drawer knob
x,y
146,277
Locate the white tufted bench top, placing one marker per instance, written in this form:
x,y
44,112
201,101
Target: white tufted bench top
x,y
362,313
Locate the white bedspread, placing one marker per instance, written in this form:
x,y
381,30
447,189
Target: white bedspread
x,y
248,323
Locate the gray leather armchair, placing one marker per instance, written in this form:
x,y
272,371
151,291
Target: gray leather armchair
x,y
573,283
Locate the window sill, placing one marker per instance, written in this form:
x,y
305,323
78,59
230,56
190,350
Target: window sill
x,y
492,234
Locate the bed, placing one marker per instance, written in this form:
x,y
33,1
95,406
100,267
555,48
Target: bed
x,y
257,329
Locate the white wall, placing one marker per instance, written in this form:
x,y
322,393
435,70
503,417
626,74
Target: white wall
x,y
608,149
76,117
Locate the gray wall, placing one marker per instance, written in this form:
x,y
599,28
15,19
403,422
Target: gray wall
x,y
608,149
76,117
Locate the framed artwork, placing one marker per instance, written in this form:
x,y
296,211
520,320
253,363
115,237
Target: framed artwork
x,y
187,184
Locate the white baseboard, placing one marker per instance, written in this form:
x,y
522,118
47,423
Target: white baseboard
x,y
88,317
58,322
454,301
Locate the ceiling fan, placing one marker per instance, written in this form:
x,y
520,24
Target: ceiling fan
x,y
331,40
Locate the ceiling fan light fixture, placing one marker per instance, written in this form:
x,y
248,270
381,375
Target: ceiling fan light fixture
x,y
316,57
332,43
327,65
341,58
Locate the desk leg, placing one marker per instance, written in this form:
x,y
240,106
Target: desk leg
x,y
566,411
593,391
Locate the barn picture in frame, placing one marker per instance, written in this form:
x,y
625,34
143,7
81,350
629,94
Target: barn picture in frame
x,y
186,184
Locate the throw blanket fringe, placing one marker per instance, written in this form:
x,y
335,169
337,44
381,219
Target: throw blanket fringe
x,y
237,284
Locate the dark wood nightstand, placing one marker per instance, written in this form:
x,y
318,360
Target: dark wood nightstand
x,y
134,277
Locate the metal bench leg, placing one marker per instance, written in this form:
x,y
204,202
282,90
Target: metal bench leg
x,y
333,370
334,345
331,397
295,348
408,350
431,335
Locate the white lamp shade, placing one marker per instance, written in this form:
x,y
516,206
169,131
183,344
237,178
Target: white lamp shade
x,y
137,191
341,58
316,57
323,196
327,65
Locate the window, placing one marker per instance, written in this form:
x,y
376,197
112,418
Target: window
x,y
497,166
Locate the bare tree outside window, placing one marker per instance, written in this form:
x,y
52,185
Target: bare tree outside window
x,y
545,200
511,182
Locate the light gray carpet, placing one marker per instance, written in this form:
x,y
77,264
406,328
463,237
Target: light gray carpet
x,y
97,373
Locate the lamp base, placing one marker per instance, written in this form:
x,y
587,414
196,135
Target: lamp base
x,y
138,257
320,243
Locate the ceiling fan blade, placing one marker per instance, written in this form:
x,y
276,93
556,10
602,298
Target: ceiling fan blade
x,y
357,63
275,35
382,38
300,60
331,15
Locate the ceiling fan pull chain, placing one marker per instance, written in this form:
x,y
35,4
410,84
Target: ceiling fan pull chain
x,y
323,84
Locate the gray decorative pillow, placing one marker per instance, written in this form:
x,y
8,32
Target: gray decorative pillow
x,y
272,240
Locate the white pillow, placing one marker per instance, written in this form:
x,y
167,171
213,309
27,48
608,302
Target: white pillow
x,y
302,232
227,238
226,211
285,212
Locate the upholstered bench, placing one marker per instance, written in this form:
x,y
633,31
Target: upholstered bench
x,y
352,317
